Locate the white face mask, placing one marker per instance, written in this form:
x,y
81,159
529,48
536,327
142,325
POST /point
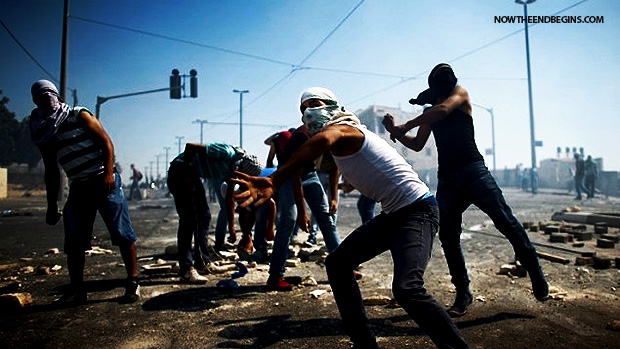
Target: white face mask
x,y
316,118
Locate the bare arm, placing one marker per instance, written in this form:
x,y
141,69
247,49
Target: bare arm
x,y
94,127
261,189
459,99
298,194
415,143
334,178
53,185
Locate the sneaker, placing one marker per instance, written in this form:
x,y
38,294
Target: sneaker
x,y
70,299
310,243
192,277
461,303
260,257
279,284
132,292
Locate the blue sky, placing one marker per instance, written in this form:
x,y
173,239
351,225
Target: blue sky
x,y
253,45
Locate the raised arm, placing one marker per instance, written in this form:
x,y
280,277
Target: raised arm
x,y
260,189
415,143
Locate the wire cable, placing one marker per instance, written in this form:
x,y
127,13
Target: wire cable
x,y
193,43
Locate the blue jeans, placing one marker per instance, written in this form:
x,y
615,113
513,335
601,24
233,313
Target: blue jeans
x,y
317,201
366,208
474,184
314,225
408,233
88,196
190,200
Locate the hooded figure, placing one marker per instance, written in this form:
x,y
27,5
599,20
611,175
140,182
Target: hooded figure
x,y
441,82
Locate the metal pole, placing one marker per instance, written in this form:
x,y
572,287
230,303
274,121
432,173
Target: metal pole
x,y
493,137
201,122
179,139
167,148
490,110
64,52
529,90
241,92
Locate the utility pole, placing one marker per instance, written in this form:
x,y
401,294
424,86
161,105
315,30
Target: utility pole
x,y
533,174
166,167
241,92
179,140
157,171
201,122
64,60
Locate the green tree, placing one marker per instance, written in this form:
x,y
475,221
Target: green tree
x,y
8,126
15,143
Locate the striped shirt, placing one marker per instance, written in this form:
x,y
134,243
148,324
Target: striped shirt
x,y
78,153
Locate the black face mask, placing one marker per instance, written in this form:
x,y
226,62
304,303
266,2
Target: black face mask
x,y
442,81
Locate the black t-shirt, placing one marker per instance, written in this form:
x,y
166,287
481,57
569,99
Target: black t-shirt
x,y
456,146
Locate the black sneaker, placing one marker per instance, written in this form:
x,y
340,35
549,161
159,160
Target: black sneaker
x,y
461,303
132,292
70,299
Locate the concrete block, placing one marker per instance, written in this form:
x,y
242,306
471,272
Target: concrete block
x,y
602,263
582,236
552,229
560,237
600,228
604,243
613,237
584,261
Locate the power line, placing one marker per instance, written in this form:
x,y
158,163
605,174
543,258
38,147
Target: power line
x,y
193,43
299,65
330,34
28,53
463,55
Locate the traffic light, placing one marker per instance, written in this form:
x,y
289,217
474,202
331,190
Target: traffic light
x,y
193,83
175,85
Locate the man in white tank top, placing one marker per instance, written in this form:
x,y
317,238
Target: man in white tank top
x,y
406,226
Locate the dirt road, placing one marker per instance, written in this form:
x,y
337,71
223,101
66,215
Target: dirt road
x,y
173,315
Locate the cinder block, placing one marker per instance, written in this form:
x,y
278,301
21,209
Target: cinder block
x,y
582,235
600,228
604,243
560,237
584,261
602,263
613,237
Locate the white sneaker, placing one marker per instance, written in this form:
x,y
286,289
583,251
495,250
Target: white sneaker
x,y
192,277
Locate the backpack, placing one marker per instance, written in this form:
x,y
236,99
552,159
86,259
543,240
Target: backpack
x,y
139,176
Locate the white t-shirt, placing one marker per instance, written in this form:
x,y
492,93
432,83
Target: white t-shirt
x,y
380,173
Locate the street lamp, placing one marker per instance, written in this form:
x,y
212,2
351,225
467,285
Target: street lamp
x,y
241,92
533,176
179,139
490,110
201,122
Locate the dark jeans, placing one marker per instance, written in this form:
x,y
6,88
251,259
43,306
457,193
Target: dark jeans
x,y
408,233
474,184
194,216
